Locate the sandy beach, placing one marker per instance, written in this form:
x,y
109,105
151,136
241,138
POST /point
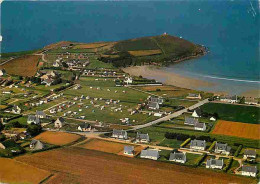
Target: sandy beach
x,y
169,78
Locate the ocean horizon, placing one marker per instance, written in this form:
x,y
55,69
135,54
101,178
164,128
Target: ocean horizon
x,y
230,29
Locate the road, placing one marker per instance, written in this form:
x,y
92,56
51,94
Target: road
x,y
170,116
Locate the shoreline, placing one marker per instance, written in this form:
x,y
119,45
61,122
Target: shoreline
x,y
169,78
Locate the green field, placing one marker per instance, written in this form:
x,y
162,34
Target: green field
x,y
229,112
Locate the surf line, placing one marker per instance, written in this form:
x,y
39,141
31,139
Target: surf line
x,y
222,78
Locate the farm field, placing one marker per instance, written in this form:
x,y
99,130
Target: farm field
x,y
86,165
229,112
23,66
145,52
12,171
250,131
57,138
89,45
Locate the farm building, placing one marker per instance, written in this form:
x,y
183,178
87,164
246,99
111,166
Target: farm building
x,y
119,134
153,105
249,154
157,100
33,119
222,148
40,114
60,122
178,157
194,96
197,113
229,99
190,121
200,126
215,164
36,145
150,154
198,145
249,170
129,150
142,138
84,127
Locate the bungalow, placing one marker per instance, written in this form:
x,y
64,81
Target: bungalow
x,y
229,99
16,110
200,126
222,148
251,101
194,96
40,114
119,134
36,145
153,105
2,72
150,154
249,154
157,100
128,80
249,170
190,121
215,163
142,138
33,119
60,122
178,157
129,150
198,145
197,113
84,127
212,119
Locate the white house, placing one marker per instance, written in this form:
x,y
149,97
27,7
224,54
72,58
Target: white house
x,y
222,148
33,119
190,121
150,154
194,96
142,138
200,126
229,99
196,113
119,134
60,122
212,119
84,127
249,170
249,154
36,145
56,64
156,99
129,150
215,164
198,145
128,80
2,72
153,105
178,157
16,110
40,114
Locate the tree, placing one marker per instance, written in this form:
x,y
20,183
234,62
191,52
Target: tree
x,y
1,126
65,65
34,130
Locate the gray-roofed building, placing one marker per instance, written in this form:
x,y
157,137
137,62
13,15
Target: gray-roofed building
x,y
222,148
36,145
143,138
157,100
153,105
249,154
229,99
16,109
200,126
178,157
33,119
129,150
84,127
40,114
198,145
193,96
249,170
190,121
119,134
60,122
215,164
150,154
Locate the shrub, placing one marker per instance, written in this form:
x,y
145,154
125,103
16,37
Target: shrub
x,y
212,146
185,142
238,150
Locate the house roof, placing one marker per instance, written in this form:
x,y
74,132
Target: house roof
x,y
193,95
190,121
198,111
129,149
156,99
40,113
215,162
221,146
85,125
142,136
247,168
153,104
119,132
198,143
199,125
150,153
60,119
177,156
33,118
250,152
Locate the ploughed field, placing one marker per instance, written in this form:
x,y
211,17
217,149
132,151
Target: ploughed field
x,y
23,66
57,138
78,165
12,171
244,130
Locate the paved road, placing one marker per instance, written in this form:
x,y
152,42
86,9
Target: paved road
x,y
173,115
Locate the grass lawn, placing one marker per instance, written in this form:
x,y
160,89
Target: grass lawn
x,y
94,63
192,159
229,112
173,143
